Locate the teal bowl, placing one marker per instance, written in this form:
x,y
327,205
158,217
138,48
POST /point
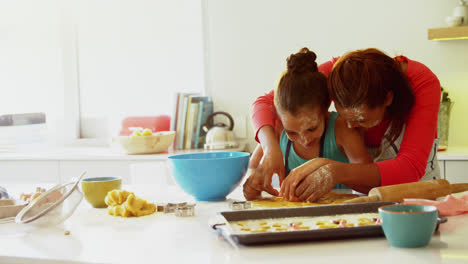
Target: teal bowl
x,y
209,176
408,226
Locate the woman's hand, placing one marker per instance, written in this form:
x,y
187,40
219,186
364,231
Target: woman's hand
x,y
316,184
309,181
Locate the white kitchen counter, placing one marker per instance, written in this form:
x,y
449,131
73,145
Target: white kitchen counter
x,y
99,238
453,153
113,152
94,153
61,164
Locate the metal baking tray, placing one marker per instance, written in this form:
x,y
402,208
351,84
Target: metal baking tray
x,y
225,230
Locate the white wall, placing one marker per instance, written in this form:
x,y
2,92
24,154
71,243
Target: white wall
x,y
31,76
248,42
128,57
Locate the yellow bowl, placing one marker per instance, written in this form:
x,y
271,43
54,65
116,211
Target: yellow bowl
x,y
96,189
156,143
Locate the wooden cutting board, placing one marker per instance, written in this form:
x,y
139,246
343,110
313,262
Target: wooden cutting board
x,y
420,190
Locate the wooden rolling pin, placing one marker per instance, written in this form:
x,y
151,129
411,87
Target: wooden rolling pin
x,y
422,190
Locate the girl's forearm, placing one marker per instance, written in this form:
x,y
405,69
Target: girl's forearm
x,y
256,157
267,137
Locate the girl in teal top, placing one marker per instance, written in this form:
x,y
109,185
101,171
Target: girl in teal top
x,y
328,149
306,131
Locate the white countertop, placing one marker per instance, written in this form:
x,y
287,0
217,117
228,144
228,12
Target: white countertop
x,y
95,153
115,153
99,238
453,153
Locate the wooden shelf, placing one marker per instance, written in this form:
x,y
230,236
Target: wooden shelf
x,y
448,33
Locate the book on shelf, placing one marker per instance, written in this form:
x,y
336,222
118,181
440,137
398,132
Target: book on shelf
x,y
190,113
190,122
198,126
180,114
207,109
175,103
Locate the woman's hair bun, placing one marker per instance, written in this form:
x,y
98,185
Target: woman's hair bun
x,y
303,61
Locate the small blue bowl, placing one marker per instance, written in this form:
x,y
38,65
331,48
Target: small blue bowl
x,y
408,226
209,176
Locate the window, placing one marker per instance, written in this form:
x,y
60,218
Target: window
x,y
133,56
94,62
31,77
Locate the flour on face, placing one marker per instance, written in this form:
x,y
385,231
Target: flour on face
x,y
298,127
306,122
362,116
357,113
376,122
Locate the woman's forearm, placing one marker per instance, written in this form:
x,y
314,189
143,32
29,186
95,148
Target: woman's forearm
x,y
365,175
263,112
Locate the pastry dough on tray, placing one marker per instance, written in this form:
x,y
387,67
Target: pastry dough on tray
x,y
304,223
277,202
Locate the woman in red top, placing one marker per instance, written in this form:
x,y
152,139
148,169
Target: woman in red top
x,y
394,101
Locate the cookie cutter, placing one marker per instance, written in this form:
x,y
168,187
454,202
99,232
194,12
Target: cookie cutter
x,y
185,211
171,207
240,205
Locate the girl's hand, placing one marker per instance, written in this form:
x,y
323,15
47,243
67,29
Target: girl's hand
x,y
302,173
257,180
250,191
272,162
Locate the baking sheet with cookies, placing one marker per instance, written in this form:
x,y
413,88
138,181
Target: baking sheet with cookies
x,y
280,225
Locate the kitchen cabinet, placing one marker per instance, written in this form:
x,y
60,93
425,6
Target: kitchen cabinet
x,y
21,171
100,168
448,33
60,171
456,171
442,169
131,171
59,166
454,164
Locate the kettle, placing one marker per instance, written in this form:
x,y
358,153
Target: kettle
x,y
219,136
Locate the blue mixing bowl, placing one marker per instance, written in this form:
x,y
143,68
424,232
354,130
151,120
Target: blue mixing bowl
x,y
209,176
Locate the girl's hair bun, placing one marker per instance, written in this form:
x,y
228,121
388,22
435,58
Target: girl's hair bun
x,y
303,61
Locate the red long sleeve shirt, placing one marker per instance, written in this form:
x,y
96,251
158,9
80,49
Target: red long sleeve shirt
x,y
420,131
